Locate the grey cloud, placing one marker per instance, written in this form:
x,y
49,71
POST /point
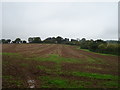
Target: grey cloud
x,y
73,20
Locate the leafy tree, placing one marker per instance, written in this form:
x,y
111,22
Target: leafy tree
x,y
53,40
83,40
99,41
59,39
94,46
13,42
84,43
0,41
47,40
8,40
3,40
50,40
30,39
17,40
102,48
36,40
73,40
65,41
24,41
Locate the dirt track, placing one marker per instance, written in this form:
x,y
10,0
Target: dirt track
x,y
109,63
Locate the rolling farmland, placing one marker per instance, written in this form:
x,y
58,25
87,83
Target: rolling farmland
x,y
56,66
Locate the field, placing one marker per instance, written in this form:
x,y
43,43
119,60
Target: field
x,y
56,66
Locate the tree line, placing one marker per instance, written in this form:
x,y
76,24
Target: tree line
x,y
17,40
101,46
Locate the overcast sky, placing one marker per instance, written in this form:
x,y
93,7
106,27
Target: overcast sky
x,y
88,20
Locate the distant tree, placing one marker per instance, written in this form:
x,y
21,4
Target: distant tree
x,y
84,44
30,39
17,40
47,40
102,48
73,40
94,46
21,41
53,40
3,40
36,40
24,41
0,41
50,40
100,41
112,41
83,40
65,41
13,42
8,40
59,39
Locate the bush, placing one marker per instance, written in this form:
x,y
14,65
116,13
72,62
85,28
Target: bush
x,y
101,47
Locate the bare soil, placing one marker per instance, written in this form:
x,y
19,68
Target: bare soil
x,y
12,66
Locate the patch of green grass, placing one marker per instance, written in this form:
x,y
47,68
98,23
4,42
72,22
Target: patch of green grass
x,y
13,55
95,75
24,64
52,56
4,53
45,86
58,59
96,60
53,82
83,83
44,68
56,70
93,67
7,77
91,60
5,62
40,67
86,50
110,84
57,82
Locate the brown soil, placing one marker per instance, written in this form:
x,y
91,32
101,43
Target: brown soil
x,y
33,50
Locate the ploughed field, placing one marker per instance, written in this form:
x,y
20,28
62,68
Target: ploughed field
x,y
56,66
